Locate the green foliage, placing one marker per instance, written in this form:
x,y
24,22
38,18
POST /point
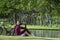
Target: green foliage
x,y
51,7
8,6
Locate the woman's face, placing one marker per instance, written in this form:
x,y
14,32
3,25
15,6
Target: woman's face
x,y
18,23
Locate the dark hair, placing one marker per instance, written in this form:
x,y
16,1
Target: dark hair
x,y
21,23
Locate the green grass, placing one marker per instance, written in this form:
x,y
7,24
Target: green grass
x,y
38,27
26,38
41,27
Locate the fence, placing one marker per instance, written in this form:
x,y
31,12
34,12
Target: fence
x,y
55,33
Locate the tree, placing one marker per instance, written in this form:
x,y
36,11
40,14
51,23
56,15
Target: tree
x,y
29,7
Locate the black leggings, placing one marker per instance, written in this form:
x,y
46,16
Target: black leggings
x,y
25,30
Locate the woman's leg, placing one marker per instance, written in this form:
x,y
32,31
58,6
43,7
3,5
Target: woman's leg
x,y
28,31
25,30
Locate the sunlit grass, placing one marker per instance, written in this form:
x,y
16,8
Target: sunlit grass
x,y
42,27
39,27
26,38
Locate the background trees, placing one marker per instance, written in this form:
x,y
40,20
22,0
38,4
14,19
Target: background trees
x,y
32,11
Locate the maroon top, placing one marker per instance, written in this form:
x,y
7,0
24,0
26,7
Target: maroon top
x,y
17,30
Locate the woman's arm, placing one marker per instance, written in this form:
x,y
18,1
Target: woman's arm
x,y
23,27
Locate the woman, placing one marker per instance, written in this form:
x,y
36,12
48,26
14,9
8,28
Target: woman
x,y
17,29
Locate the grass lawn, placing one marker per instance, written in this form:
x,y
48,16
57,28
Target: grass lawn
x,y
38,27
42,27
25,38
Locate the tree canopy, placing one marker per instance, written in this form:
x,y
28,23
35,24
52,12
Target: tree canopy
x,y
31,7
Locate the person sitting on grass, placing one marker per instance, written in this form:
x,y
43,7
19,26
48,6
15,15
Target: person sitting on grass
x,y
24,32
